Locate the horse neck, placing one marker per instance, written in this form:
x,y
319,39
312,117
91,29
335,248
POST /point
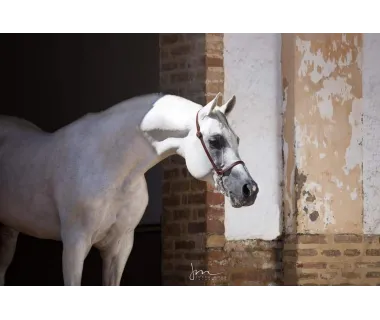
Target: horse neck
x,y
167,123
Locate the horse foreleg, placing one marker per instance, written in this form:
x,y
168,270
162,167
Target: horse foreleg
x,y
115,257
75,250
8,243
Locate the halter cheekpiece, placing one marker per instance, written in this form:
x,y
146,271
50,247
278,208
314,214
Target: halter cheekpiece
x,y
219,171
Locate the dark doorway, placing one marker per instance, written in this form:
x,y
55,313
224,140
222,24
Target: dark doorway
x,y
53,80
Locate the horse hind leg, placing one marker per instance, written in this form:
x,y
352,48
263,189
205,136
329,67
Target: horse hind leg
x,y
8,243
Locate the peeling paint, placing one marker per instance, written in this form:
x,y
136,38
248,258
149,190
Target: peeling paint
x,y
338,183
320,68
354,194
323,132
354,155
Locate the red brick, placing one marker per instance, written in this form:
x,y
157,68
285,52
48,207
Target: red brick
x,y
180,77
368,264
373,252
352,252
373,275
216,255
340,266
311,239
187,245
215,213
215,226
214,198
214,61
200,213
172,229
195,256
348,238
351,275
172,173
300,252
215,268
169,66
170,38
328,275
239,275
197,198
181,214
180,186
331,253
216,74
290,253
184,267
197,185
215,87
215,241
210,187
307,252
172,200
308,276
262,275
177,160
196,227
289,265
182,49
312,265
371,239
184,199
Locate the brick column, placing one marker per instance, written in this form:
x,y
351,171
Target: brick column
x,y
192,67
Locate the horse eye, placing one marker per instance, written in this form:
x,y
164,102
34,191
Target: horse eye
x,y
216,142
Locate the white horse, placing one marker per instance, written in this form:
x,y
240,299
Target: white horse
x,y
84,184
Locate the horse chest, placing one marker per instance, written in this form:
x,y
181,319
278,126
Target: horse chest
x,y
124,210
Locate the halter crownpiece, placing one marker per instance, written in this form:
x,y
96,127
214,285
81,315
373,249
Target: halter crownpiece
x,y
220,172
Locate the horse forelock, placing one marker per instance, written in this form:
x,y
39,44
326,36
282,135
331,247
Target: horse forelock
x,y
224,121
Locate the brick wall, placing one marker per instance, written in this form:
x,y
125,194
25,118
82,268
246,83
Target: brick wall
x,y
340,259
183,72
193,214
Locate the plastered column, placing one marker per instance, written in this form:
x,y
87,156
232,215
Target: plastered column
x,y
371,133
252,70
322,147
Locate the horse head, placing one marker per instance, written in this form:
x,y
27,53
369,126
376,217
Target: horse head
x,y
211,152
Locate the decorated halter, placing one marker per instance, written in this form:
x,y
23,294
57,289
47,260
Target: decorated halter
x,y
219,171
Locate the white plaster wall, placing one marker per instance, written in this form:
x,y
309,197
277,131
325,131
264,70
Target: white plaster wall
x,y
252,64
371,133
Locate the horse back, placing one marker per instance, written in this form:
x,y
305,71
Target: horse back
x,y
14,125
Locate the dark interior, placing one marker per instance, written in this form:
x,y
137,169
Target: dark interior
x,y
52,80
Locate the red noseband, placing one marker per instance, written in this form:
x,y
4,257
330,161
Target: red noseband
x,y
219,171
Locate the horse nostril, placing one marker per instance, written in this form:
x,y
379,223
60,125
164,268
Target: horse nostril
x,y
246,190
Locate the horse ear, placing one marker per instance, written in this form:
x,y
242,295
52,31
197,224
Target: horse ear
x,y
208,108
228,106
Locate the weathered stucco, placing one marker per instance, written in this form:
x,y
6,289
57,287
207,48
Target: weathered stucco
x,y
322,149
253,73
371,133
